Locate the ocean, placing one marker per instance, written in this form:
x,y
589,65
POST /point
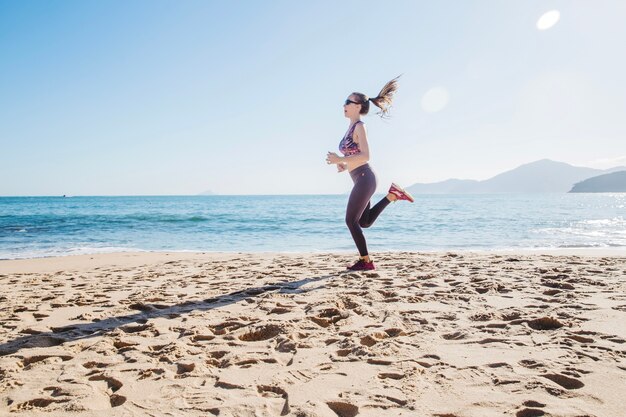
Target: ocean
x,y
51,226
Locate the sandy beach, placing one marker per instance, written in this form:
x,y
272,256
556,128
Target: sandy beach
x,y
275,334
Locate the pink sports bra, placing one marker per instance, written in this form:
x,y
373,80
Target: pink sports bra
x,y
347,146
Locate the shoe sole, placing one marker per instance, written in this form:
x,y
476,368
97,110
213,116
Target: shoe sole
x,y
408,196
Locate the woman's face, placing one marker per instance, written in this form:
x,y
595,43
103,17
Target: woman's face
x,y
351,110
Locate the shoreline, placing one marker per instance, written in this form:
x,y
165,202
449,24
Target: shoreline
x,y
99,258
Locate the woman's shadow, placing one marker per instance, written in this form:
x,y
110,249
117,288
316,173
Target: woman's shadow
x,y
60,335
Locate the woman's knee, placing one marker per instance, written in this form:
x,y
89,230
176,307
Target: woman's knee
x,y
352,223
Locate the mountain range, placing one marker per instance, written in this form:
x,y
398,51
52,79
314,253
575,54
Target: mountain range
x,y
544,176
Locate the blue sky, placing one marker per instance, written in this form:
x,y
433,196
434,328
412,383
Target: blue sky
x,y
164,97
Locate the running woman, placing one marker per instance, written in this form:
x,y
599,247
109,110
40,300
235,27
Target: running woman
x,y
355,159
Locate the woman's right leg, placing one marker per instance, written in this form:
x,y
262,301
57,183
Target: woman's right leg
x,y
370,215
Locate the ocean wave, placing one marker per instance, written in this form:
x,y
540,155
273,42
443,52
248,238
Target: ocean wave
x,y
13,229
616,222
53,252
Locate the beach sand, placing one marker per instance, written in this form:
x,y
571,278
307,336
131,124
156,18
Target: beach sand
x,y
426,334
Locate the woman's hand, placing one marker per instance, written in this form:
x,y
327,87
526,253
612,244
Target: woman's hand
x,y
333,158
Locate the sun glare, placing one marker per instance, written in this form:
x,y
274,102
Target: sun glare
x,y
548,19
435,99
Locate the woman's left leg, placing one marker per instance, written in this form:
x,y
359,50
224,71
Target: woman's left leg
x,y
364,187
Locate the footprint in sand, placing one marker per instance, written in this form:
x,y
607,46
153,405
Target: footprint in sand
x,y
202,337
29,360
545,323
226,327
39,403
247,363
530,412
483,316
276,392
147,373
57,392
217,360
329,316
557,285
184,368
580,339
395,332
391,375
454,336
388,294
280,310
94,364
499,365
381,362
371,340
531,364
564,381
140,328
356,351
343,409
227,385
394,400
124,346
117,400
533,404
147,307
113,385
262,333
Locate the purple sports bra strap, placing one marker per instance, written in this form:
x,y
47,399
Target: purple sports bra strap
x,y
354,127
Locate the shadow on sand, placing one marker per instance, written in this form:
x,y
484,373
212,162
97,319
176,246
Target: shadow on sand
x,y
60,335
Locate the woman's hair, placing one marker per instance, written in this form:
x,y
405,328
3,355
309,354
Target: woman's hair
x,y
382,100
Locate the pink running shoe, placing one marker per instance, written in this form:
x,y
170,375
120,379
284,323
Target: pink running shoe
x,y
361,265
400,193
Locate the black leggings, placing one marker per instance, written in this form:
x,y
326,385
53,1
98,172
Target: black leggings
x,y
358,213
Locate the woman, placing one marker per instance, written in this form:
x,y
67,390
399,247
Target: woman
x,y
355,149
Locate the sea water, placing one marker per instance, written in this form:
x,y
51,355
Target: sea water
x,y
50,226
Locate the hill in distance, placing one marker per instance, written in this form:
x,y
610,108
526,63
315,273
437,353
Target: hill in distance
x,y
607,183
544,176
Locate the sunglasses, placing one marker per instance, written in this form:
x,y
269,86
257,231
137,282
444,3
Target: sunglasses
x,y
348,101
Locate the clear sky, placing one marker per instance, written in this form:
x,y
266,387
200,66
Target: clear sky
x,y
245,97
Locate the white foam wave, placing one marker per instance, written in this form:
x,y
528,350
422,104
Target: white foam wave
x,y
83,250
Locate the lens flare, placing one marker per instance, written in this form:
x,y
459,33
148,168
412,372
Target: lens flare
x,y
435,99
548,19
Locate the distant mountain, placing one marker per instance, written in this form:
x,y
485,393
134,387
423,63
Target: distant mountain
x,y
207,192
607,183
544,176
